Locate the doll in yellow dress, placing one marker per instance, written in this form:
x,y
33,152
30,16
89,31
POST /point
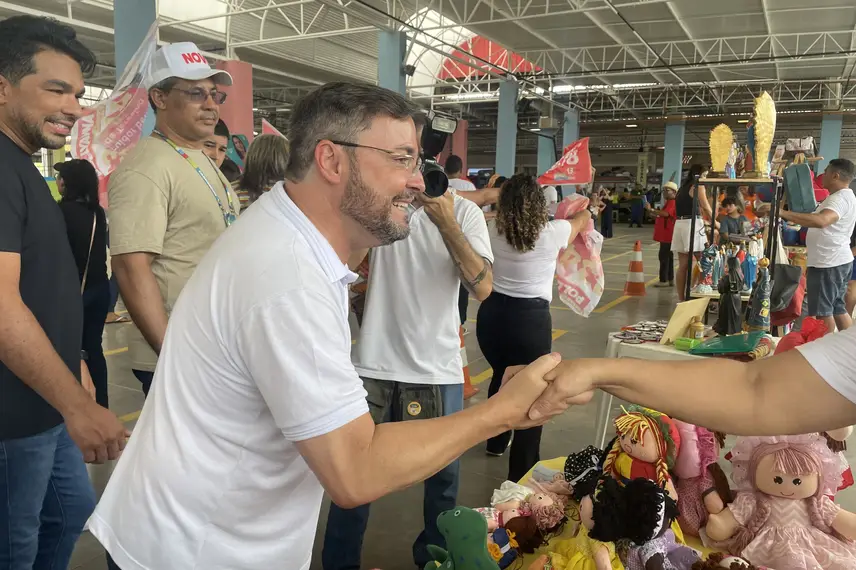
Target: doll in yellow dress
x,y
583,552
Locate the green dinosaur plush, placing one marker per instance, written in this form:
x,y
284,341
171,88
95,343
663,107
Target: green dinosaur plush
x,y
465,532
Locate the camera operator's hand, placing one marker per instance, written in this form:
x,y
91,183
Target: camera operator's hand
x,y
440,210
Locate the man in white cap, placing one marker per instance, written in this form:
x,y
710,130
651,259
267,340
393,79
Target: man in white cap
x,y
168,200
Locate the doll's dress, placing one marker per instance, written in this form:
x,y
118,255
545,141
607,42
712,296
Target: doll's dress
x,y
675,556
693,514
626,468
788,541
509,491
577,553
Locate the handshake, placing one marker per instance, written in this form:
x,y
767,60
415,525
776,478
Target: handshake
x,y
531,395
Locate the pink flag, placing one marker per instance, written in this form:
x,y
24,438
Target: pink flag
x,y
268,129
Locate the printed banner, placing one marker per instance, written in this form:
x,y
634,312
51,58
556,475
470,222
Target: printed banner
x,y
268,129
573,168
110,128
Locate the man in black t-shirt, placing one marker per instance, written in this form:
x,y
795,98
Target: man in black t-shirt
x,y
46,417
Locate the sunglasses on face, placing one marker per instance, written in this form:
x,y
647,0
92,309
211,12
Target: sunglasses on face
x,y
200,95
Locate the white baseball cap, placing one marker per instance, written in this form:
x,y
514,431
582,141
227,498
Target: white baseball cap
x,y
185,61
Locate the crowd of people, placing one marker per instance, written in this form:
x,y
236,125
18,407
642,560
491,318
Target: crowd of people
x,y
255,405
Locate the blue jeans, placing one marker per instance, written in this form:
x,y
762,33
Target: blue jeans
x,y
45,499
343,540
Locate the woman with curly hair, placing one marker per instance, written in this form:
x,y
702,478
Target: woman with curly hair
x,y
514,324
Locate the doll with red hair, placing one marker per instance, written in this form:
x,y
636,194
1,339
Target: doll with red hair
x,y
782,516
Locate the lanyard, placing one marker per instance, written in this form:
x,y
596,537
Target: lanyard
x,y
228,217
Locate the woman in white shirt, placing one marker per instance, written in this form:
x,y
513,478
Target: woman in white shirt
x,y
514,324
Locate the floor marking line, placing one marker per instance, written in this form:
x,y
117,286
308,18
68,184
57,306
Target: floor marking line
x,y
130,417
487,374
611,304
610,258
115,351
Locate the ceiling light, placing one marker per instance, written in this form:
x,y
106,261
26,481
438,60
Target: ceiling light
x,y
741,121
282,110
535,130
631,125
255,133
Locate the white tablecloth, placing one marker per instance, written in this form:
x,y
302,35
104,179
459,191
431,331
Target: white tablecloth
x,y
617,349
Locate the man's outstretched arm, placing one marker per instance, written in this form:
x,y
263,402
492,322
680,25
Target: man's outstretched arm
x,y
361,462
780,395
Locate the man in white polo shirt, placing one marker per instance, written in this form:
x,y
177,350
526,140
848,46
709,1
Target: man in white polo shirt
x,y
408,352
256,408
830,259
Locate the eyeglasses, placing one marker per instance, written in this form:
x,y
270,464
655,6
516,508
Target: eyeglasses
x,y
411,163
200,95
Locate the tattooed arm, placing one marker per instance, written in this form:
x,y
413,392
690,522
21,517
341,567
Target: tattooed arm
x,y
475,270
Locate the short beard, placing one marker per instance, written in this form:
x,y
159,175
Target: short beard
x,y
32,134
370,211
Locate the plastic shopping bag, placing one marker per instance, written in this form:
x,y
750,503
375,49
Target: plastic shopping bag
x,y
579,270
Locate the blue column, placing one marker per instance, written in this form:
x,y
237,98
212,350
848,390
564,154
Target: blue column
x,y
131,22
506,132
830,139
391,51
546,150
673,155
570,133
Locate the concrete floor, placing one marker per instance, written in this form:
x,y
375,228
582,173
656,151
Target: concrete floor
x,y
397,520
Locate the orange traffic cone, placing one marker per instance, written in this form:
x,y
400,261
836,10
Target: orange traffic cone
x,y
635,286
469,389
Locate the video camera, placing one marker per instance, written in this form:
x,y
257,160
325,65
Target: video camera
x,y
434,134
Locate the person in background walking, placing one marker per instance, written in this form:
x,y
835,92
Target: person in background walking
x,y
605,213
514,325
265,165
86,225
664,227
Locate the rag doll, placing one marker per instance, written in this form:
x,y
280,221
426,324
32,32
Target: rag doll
x,y
647,446
730,319
546,479
601,514
502,547
700,482
782,516
582,470
642,512
836,441
512,500
720,560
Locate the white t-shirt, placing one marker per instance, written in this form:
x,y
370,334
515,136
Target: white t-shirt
x,y
530,274
461,185
410,324
830,246
833,357
256,358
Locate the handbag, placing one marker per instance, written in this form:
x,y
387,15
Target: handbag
x,y
88,253
799,188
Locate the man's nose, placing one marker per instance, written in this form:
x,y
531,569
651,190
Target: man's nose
x,y
416,182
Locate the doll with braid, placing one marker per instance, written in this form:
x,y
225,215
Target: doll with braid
x,y
782,516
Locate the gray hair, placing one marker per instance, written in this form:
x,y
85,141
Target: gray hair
x,y
166,85
340,111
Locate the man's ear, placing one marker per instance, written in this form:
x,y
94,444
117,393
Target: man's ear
x,y
158,98
5,88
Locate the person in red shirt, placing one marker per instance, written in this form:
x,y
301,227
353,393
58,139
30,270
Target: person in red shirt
x,y
664,227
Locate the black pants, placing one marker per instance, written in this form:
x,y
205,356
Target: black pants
x,y
667,263
463,303
96,301
514,331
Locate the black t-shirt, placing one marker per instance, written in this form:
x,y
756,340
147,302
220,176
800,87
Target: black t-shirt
x,y
78,222
32,225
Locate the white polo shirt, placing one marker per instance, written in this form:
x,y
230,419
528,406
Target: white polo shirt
x,y
256,358
410,324
833,357
830,246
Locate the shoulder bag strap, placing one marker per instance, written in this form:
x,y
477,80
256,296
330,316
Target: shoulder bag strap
x,y
89,253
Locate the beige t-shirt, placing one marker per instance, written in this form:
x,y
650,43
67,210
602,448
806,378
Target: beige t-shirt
x,y
159,204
